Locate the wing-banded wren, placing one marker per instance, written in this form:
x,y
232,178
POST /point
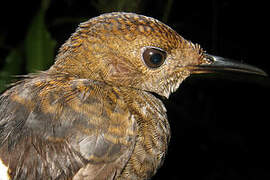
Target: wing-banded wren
x,y
92,114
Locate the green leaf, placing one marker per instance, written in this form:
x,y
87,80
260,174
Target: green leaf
x,y
39,45
13,66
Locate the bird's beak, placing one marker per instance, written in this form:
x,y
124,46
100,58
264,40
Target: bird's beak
x,y
215,64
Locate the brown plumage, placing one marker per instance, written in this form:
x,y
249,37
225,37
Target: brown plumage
x,y
92,115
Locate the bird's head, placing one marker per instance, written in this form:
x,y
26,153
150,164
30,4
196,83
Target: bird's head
x,y
135,51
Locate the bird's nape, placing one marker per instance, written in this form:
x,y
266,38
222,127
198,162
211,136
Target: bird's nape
x,y
217,64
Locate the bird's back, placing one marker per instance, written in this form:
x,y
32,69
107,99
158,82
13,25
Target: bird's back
x,y
58,127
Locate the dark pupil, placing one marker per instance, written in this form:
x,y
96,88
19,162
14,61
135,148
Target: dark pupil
x,y
156,58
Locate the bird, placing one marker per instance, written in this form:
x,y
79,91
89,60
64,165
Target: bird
x,y
97,112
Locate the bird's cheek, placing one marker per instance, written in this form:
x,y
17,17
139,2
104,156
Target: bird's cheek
x,y
117,70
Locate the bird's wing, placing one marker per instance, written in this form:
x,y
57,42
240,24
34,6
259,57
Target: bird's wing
x,y
63,128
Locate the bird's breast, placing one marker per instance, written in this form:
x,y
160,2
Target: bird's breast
x,y
153,136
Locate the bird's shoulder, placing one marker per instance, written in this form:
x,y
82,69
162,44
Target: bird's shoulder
x,y
56,126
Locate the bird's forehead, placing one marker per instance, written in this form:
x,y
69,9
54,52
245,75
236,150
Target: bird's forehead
x,y
131,25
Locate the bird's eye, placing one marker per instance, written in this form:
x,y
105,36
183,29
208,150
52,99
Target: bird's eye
x,y
153,57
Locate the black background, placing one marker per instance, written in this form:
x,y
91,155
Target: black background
x,y
219,125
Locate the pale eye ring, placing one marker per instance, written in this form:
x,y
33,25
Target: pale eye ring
x,y
153,57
